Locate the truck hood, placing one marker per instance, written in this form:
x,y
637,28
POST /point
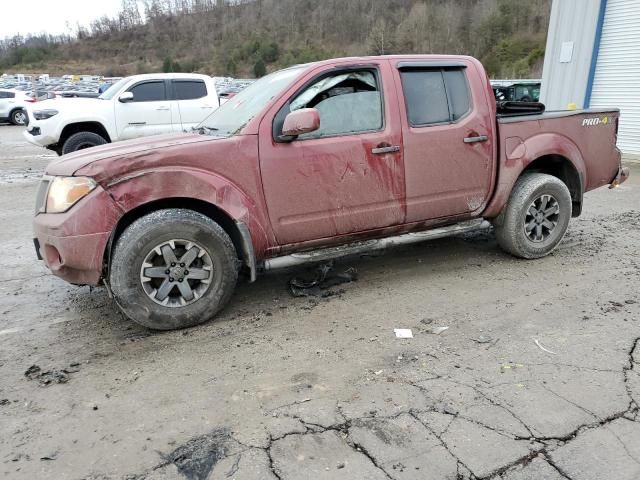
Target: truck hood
x,y
113,158
64,105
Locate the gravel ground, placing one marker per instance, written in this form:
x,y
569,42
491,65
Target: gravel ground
x,y
536,377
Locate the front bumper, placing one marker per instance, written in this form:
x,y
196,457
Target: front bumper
x,y
40,133
620,178
73,244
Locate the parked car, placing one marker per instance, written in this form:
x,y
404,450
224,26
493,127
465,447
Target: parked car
x,y
136,106
13,107
311,163
230,87
517,90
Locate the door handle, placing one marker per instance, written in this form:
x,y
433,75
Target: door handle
x,y
479,138
163,108
389,149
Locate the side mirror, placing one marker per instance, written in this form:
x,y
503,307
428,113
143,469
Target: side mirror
x,y
300,121
126,97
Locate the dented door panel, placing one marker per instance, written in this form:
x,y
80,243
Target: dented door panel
x,y
317,188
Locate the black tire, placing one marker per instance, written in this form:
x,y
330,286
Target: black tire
x,y
513,225
18,117
82,140
138,241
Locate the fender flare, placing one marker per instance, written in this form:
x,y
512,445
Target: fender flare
x,y
174,184
79,120
521,154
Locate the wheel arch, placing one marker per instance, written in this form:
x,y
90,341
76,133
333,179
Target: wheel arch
x,y
563,169
549,153
90,126
237,231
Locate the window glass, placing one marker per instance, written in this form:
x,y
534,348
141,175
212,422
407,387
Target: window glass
x,y
458,92
149,92
347,102
429,102
425,96
7,95
189,89
233,115
115,89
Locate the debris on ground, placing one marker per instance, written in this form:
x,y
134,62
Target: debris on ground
x,y
196,458
4,401
535,340
323,279
403,332
482,339
49,377
436,330
51,456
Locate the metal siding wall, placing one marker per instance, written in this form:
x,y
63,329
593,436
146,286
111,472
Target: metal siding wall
x,y
617,78
564,83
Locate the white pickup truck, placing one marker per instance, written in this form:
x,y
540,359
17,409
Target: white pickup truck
x,y
135,106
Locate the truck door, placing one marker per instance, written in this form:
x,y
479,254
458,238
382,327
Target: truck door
x,y
147,113
448,131
346,177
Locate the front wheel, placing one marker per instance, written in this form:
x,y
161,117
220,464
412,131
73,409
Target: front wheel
x,y
536,216
82,140
172,269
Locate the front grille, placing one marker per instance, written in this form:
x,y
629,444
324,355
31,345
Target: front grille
x,y
41,196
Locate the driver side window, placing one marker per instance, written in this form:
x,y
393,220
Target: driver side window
x,y
348,103
153,91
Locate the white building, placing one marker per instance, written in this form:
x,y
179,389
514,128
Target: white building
x,y
593,61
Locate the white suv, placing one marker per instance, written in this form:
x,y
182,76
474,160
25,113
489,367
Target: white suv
x,y
133,107
13,105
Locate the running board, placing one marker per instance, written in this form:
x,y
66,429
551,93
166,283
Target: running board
x,y
331,253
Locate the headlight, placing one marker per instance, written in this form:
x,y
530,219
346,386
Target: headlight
x,y
64,192
44,114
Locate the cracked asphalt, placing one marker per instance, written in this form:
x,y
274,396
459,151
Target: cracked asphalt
x,y
536,377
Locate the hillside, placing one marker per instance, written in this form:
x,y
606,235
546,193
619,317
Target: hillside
x,y
248,38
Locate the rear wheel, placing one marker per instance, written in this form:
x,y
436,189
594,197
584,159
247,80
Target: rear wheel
x,y
536,217
82,140
173,268
18,117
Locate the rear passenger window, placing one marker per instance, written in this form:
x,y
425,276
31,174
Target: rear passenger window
x,y
189,89
435,96
458,92
425,96
149,92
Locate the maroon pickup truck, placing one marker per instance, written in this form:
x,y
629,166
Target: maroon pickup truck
x,y
314,162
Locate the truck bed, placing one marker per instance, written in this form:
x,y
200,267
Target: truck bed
x,y
583,136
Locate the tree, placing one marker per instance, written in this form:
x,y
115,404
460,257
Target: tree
x,y
381,39
259,68
167,65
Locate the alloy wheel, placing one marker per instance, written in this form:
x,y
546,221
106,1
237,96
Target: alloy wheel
x,y
176,273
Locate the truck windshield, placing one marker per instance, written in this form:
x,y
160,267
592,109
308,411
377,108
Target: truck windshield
x,y
114,89
231,117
